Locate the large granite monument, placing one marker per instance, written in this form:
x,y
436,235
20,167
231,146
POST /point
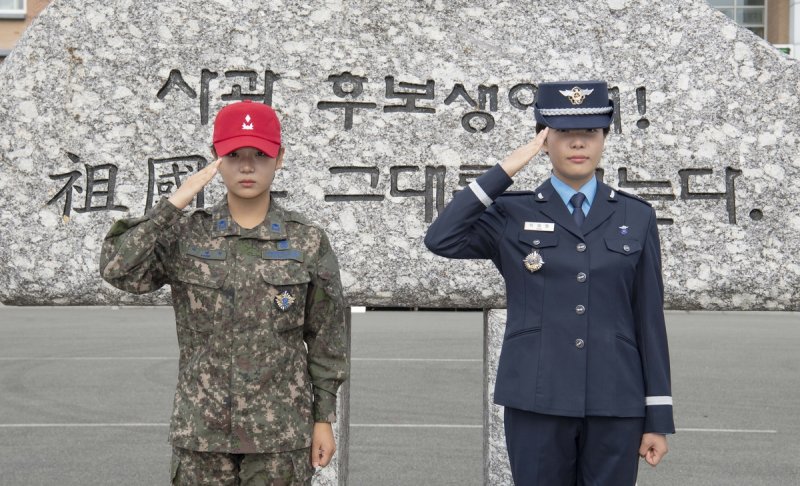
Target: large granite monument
x,y
389,107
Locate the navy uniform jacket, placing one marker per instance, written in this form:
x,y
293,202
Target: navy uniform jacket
x,y
585,334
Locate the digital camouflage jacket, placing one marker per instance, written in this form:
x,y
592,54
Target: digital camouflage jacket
x,y
260,322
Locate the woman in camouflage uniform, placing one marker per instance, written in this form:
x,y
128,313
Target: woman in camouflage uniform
x,y
259,314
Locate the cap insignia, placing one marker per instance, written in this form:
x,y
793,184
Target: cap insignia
x,y
576,95
247,125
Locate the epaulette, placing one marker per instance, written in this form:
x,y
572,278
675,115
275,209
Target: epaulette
x,y
204,210
633,196
297,218
517,193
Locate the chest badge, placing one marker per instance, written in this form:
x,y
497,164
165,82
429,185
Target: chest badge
x,y
623,230
284,300
534,261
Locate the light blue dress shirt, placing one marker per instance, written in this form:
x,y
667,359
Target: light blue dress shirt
x,y
566,192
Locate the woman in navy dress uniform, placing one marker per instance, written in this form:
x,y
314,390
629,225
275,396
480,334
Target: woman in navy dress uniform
x,y
584,368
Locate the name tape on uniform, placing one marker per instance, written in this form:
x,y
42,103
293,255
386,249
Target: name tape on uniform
x,y
532,226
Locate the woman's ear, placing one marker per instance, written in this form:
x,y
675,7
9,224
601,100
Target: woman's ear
x,y
279,158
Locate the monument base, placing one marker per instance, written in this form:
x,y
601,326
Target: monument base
x,y
496,469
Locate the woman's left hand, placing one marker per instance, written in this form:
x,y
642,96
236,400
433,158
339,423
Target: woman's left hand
x,y
653,448
323,445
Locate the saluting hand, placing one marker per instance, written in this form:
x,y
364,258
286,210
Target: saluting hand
x,y
520,157
323,445
653,448
194,184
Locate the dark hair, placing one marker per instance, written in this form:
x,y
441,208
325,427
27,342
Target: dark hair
x,y
540,127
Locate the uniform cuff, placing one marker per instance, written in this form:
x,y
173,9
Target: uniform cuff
x,y
164,213
324,406
491,184
658,419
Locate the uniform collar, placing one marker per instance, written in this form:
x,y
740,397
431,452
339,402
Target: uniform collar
x,y
566,192
604,206
550,203
272,228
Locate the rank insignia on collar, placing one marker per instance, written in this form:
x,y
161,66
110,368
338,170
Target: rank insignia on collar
x,y
576,95
284,300
534,261
623,230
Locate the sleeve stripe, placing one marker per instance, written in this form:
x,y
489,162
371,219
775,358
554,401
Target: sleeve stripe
x,y
658,401
480,194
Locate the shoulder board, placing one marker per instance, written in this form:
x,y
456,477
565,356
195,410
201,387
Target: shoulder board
x,y
633,196
297,218
206,210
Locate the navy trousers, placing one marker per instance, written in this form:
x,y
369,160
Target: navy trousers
x,y
551,450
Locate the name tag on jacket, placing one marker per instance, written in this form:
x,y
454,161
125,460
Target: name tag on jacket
x,y
533,226
206,253
296,255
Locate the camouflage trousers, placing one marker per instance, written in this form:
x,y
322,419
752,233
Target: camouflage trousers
x,y
221,469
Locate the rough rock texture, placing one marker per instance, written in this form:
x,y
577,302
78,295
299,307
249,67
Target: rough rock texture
x,y
495,461
118,96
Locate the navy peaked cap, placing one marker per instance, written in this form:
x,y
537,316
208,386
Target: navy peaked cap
x,y
574,105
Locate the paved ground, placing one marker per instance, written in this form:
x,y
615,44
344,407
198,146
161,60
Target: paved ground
x,y
70,376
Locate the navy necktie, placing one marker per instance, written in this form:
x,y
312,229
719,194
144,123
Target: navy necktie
x,y
577,203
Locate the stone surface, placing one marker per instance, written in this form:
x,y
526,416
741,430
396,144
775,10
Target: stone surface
x,y
495,461
115,89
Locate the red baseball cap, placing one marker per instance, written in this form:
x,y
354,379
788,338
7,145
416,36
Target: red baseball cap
x,y
247,124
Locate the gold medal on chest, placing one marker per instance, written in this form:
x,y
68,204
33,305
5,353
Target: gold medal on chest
x,y
534,261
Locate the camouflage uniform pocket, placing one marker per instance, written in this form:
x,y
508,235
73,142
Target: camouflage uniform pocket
x,y
303,470
193,468
197,295
287,286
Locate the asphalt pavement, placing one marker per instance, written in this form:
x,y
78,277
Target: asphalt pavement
x,y
86,393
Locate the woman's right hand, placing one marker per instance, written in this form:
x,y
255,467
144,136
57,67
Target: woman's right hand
x,y
194,184
520,157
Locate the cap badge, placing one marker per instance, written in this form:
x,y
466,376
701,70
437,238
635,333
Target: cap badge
x,y
534,261
576,95
247,125
284,300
